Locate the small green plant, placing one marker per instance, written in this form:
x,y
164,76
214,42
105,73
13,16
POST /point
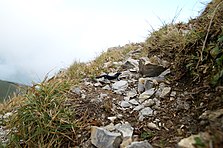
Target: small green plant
x,y
162,143
146,135
2,145
217,55
217,77
199,142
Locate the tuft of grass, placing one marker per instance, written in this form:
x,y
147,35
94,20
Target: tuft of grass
x,y
195,48
44,120
199,142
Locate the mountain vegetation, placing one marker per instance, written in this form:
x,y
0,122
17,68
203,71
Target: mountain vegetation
x,y
49,114
7,89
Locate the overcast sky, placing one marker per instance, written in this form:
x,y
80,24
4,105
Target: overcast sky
x,y
40,36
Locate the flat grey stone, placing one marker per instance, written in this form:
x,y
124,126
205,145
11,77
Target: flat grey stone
x,y
141,117
125,104
126,99
162,85
112,119
145,84
132,93
139,107
160,89
106,87
165,91
76,90
110,127
147,94
153,126
130,63
149,103
164,73
190,142
120,85
126,129
97,84
146,111
126,74
148,84
134,102
103,81
149,69
102,138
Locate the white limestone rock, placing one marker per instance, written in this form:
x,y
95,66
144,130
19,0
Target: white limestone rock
x,y
132,93
76,90
145,84
146,111
189,142
106,87
97,84
153,126
130,64
147,94
126,129
120,85
165,91
139,107
149,103
125,104
102,138
134,102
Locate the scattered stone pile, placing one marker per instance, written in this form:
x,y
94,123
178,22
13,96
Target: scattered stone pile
x,y
140,94
3,130
141,87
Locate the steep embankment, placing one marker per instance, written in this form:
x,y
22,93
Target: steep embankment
x,y
170,88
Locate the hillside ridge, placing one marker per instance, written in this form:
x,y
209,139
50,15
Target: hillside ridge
x,y
169,94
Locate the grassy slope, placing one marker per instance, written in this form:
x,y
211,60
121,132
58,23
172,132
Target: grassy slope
x,y
7,89
44,119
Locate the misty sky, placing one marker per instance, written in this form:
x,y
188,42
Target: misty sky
x,y
41,36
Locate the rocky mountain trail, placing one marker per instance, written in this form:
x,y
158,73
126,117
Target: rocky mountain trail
x,y
141,108
143,103
154,109
126,100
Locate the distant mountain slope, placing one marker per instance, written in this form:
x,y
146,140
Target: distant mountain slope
x,y
7,89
